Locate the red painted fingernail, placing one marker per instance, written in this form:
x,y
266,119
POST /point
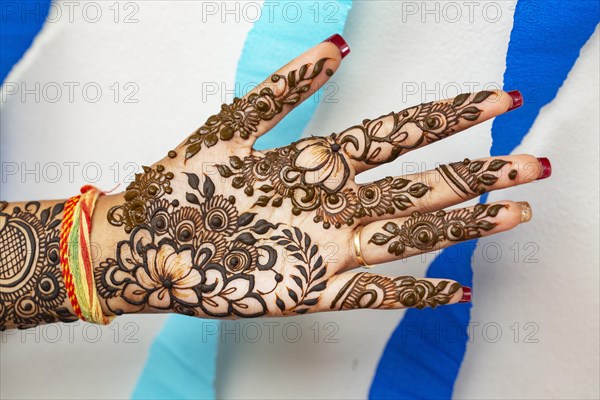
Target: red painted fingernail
x,y
517,99
339,41
546,168
466,295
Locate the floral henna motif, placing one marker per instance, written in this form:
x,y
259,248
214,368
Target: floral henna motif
x,y
383,139
184,258
424,231
206,259
312,174
366,290
31,286
468,178
244,115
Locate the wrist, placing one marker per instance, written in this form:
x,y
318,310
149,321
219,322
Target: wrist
x,y
104,238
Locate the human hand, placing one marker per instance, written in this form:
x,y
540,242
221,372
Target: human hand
x,y
219,229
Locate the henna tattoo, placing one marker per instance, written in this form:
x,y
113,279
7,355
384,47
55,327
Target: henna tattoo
x,y
243,116
469,178
312,174
182,258
366,290
206,259
151,184
32,290
383,139
424,231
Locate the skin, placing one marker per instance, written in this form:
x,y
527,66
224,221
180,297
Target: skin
x,y
218,229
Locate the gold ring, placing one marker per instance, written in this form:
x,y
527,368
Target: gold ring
x,y
357,249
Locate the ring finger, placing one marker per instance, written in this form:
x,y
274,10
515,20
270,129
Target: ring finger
x,y
397,238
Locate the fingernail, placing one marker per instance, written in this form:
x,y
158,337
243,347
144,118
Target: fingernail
x,y
546,168
517,99
466,297
526,213
339,41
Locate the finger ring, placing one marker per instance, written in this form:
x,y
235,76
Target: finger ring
x,y
357,249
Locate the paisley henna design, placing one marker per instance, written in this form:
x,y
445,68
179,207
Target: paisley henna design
x,y
383,139
366,290
151,184
31,286
424,231
312,174
243,116
468,178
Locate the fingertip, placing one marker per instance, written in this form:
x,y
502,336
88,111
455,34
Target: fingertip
x,y
516,99
517,212
340,43
466,295
525,209
546,168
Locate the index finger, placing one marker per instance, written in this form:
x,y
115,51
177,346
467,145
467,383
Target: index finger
x,y
251,116
378,141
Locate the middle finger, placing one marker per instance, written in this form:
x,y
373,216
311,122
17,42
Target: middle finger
x,y
446,186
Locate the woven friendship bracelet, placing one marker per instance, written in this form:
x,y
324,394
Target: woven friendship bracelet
x,y
77,258
65,230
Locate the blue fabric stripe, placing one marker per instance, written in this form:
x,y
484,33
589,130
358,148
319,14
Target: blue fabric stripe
x,y
545,43
272,44
418,363
180,365
20,22
181,361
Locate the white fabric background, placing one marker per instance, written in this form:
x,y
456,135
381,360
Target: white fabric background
x,y
171,55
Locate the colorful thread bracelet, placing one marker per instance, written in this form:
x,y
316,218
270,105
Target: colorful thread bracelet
x,y
76,256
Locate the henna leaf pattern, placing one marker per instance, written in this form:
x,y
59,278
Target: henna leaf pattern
x,y
244,115
310,276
